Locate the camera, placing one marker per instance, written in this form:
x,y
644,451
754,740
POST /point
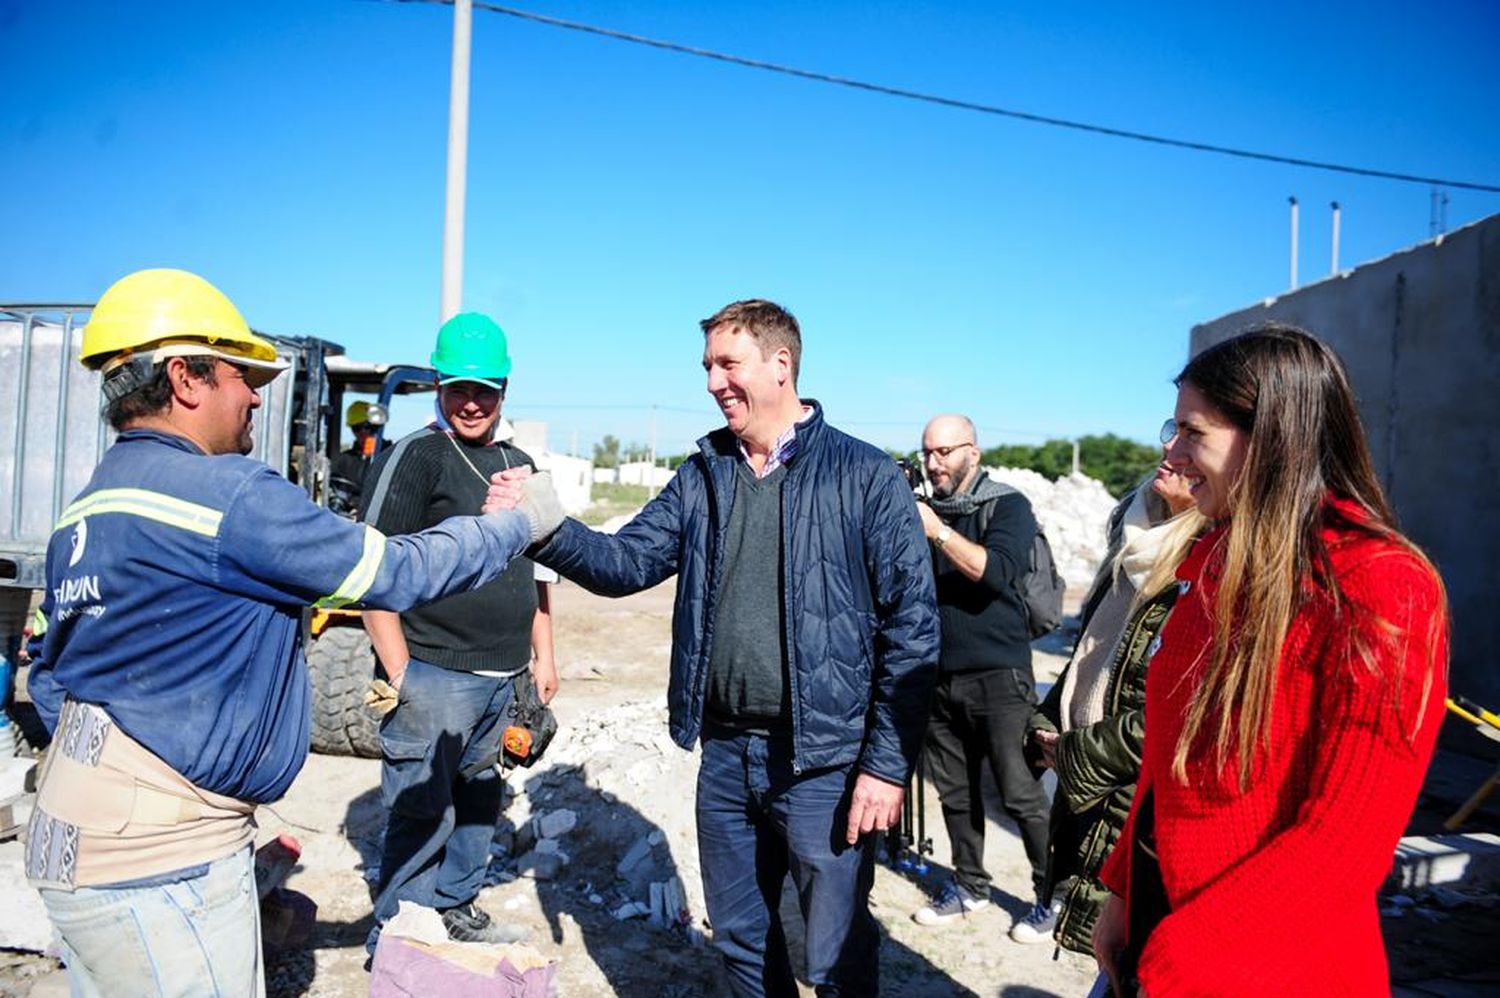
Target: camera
x,y
914,475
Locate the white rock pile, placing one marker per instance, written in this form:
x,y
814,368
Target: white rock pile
x,y
1073,512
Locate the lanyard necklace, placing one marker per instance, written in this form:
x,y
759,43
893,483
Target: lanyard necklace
x,y
477,474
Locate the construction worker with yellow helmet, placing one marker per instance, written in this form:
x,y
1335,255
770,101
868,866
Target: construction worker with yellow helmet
x,y
154,315
347,475
170,671
358,415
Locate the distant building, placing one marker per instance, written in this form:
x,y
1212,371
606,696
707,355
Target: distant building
x,y
572,477
643,473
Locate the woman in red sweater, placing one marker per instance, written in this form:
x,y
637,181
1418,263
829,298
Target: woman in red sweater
x,y
1292,703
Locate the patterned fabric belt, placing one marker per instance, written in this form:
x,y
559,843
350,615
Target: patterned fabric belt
x,y
109,811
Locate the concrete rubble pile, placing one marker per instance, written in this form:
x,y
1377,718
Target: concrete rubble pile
x,y
610,807
1073,512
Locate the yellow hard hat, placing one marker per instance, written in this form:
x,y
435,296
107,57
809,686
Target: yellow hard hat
x,y
165,313
359,413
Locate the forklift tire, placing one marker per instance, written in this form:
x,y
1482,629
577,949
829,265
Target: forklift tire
x,y
340,665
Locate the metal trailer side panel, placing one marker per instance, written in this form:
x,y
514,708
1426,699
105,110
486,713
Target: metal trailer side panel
x,y
51,442
273,421
52,432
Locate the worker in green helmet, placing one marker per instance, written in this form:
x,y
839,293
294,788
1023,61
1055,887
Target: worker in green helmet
x,y
456,663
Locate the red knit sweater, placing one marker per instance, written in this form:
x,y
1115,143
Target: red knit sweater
x,y
1272,890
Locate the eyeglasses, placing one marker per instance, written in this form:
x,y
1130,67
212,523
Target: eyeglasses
x,y
1168,431
943,452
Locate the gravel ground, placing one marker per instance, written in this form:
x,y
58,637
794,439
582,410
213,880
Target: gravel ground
x,y
613,766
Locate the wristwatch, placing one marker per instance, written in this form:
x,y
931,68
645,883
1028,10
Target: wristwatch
x,y
944,532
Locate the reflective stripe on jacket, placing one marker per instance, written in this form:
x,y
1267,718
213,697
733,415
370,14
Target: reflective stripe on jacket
x,y
175,588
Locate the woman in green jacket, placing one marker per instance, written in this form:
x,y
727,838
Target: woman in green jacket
x,y
1089,728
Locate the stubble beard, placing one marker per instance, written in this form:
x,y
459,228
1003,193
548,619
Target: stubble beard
x,y
955,481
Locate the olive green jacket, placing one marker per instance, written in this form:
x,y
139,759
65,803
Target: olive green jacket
x,y
1097,768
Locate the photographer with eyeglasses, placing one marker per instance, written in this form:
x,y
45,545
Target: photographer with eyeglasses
x,y
982,534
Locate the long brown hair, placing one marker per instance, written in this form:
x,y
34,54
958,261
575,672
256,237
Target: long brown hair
x,y
1289,393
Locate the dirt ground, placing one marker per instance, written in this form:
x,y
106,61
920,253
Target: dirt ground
x,y
613,765
613,657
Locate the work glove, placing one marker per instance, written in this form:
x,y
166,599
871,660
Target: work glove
x,y
541,506
381,697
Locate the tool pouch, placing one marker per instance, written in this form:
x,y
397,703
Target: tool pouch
x,y
534,718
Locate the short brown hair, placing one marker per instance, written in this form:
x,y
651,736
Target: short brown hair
x,y
772,326
155,396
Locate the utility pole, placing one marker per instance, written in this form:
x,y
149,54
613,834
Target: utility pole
x,y
651,475
1333,268
1293,202
1437,211
458,157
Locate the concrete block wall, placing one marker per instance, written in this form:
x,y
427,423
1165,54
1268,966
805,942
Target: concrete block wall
x,y
1420,334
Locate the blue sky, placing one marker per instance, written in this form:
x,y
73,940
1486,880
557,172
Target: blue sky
x,y
1044,281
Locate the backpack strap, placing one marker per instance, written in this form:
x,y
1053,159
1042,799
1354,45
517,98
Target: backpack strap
x,y
986,509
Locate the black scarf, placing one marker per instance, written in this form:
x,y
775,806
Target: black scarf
x,y
962,504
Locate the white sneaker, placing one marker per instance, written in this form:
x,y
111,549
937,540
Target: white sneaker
x,y
952,902
1037,924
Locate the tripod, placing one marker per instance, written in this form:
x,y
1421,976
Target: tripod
x,y
907,844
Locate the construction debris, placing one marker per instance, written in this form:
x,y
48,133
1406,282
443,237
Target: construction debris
x,y
415,957
23,919
643,869
551,824
1073,512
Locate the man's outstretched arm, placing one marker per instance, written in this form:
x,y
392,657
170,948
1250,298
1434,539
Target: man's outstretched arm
x,y
643,553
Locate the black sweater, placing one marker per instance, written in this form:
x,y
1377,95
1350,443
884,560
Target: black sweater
x,y
984,622
420,482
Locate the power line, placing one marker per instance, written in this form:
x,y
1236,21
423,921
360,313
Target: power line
x,y
606,406
964,105
987,432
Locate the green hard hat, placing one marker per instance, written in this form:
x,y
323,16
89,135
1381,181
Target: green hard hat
x,y
471,346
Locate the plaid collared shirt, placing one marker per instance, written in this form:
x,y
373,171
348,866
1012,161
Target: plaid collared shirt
x,y
782,451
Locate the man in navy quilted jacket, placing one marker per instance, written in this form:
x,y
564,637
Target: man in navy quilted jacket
x,y
805,642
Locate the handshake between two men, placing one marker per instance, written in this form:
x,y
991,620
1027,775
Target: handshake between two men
x,y
532,494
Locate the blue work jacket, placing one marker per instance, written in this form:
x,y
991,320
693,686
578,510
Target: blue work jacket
x,y
175,588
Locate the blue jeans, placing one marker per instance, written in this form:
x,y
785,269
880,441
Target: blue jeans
x,y
190,937
439,823
759,821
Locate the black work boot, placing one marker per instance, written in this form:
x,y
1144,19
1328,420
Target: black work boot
x,y
469,924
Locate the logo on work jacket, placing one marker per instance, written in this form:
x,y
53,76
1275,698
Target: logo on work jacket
x,y
80,541
78,594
